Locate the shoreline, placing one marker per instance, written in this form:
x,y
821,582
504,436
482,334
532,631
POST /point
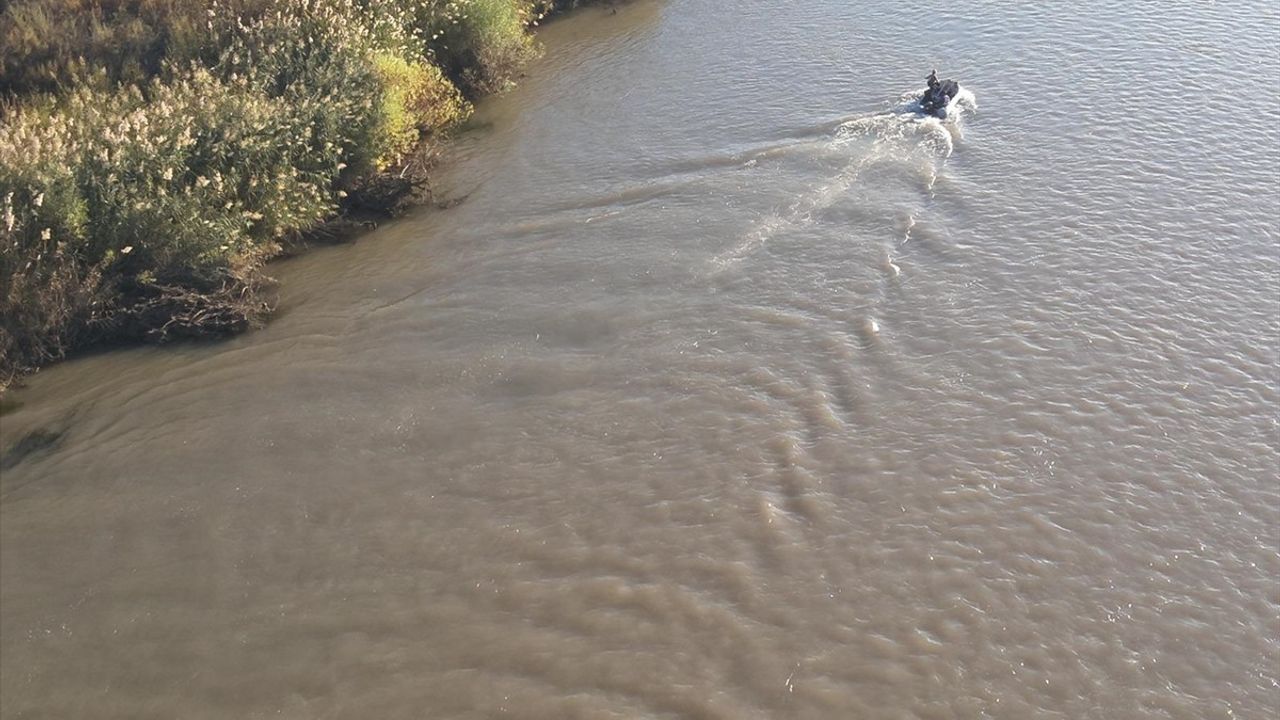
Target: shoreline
x,y
63,296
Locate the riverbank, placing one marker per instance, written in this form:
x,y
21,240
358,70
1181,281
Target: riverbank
x,y
155,155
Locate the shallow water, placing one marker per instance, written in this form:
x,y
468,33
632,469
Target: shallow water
x,y
730,390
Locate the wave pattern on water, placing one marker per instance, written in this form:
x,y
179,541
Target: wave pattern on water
x,y
716,401
901,140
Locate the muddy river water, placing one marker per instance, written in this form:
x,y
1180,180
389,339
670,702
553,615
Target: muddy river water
x,y
728,388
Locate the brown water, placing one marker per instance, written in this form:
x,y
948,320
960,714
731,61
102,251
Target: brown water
x,y
730,391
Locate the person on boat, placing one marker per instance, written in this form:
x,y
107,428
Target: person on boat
x,y
933,97
940,93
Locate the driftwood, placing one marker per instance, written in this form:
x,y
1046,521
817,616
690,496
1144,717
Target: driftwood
x,y
160,313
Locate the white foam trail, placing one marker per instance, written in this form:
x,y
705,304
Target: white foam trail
x,y
901,132
799,213
967,99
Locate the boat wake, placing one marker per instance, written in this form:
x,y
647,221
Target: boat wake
x,y
858,158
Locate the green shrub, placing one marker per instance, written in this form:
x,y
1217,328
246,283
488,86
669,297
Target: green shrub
x,y
481,44
496,30
416,100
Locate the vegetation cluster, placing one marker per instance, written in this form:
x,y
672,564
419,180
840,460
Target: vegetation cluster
x,y
154,153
